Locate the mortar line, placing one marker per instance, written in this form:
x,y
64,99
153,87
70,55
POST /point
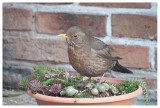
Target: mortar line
x,y
111,40
90,10
128,41
108,25
152,57
106,39
76,3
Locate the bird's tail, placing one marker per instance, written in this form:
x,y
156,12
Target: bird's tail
x,y
120,68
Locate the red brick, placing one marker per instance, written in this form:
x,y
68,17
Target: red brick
x,y
17,19
58,23
133,56
151,83
134,26
36,50
120,5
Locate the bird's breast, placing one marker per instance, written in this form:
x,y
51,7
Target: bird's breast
x,y
77,55
86,62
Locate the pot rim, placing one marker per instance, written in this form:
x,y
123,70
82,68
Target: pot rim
x,y
88,100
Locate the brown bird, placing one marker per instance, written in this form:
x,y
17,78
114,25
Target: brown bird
x,y
90,56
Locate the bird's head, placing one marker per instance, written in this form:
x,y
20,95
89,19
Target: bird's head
x,y
75,36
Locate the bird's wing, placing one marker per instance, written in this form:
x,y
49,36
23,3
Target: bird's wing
x,y
103,50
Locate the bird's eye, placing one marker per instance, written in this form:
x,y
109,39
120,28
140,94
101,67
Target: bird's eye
x,y
75,35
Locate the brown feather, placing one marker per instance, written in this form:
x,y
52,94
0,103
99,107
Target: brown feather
x,y
120,68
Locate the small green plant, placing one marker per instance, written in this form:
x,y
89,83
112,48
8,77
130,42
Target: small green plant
x,y
25,81
132,85
144,87
11,95
79,77
39,74
53,81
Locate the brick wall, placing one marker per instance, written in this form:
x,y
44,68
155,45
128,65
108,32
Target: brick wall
x,y
30,37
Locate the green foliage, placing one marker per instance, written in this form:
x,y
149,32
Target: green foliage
x,y
79,77
114,89
130,86
62,93
92,81
75,101
24,82
120,87
127,83
85,94
40,74
54,69
81,95
130,89
51,80
144,87
50,69
48,75
11,95
64,77
34,67
73,81
40,71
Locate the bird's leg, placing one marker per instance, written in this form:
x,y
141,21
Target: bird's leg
x,y
101,78
89,79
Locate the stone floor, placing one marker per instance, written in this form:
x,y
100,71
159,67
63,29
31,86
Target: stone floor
x,y
25,99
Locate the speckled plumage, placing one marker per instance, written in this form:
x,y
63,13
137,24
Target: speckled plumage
x,y
90,56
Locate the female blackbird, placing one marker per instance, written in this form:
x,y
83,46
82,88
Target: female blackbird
x,y
90,56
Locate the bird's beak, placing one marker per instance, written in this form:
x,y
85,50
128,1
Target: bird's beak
x,y
63,35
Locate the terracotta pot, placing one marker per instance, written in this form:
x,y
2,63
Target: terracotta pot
x,y
125,99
